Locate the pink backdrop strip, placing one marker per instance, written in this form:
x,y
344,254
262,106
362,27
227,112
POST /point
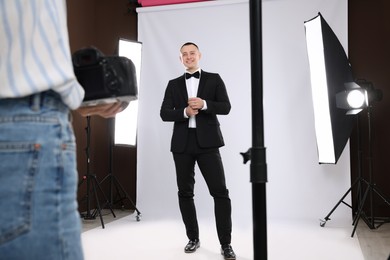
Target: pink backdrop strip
x,y
165,2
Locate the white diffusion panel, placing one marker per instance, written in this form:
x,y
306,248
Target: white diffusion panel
x,y
126,122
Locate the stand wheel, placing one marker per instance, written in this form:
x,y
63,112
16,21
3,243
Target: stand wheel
x,y
138,217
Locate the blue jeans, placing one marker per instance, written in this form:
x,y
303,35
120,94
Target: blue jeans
x,y
38,180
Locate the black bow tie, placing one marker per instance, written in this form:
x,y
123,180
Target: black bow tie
x,y
196,75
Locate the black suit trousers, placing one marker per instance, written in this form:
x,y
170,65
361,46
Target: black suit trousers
x,y
210,165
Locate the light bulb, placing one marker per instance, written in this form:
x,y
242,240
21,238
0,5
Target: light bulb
x,y
356,98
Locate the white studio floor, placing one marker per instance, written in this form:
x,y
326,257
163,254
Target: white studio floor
x,y
126,238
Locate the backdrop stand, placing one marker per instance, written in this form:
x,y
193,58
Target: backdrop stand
x,y
258,168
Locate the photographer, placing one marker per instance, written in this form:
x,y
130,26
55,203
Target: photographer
x,y
38,174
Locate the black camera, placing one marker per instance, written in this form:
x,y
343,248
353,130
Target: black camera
x,y
105,79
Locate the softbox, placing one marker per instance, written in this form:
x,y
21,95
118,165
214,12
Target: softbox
x,y
330,70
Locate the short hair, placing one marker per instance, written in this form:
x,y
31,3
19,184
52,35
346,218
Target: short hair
x,y
189,43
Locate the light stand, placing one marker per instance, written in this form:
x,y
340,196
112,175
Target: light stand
x,y
370,189
113,180
91,180
358,181
335,91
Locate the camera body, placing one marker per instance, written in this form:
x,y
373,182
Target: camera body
x,y
105,79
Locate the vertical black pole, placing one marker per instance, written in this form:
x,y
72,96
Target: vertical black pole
x,y
111,132
88,175
258,168
370,168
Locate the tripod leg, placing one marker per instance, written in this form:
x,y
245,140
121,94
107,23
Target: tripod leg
x,y
117,184
323,222
358,215
88,214
118,192
110,190
381,195
104,196
94,183
376,190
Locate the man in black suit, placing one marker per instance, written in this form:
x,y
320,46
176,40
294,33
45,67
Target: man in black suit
x,y
193,101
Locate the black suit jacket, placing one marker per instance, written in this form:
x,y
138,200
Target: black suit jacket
x,y
212,89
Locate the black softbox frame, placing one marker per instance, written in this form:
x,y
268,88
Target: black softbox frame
x,y
338,73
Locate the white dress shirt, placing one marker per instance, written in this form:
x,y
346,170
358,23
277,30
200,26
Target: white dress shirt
x,y
192,91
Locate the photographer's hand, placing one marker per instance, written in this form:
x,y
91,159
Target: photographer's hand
x,y
105,110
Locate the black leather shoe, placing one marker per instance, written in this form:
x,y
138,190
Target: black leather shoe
x,y
227,252
192,246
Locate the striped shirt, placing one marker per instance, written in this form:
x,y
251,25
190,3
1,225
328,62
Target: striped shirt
x,y
34,51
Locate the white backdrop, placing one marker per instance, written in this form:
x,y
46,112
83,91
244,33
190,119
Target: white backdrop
x,y
298,187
